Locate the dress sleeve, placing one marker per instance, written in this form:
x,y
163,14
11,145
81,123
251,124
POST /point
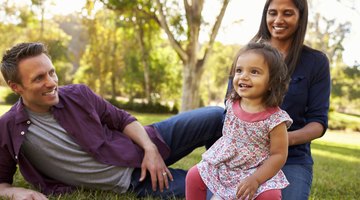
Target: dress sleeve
x,y
278,118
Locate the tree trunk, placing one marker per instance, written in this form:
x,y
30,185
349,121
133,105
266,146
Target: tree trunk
x,y
190,89
145,60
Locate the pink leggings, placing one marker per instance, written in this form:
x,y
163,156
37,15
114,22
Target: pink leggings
x,y
196,188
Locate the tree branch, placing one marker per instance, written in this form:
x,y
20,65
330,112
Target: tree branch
x,y
214,32
174,43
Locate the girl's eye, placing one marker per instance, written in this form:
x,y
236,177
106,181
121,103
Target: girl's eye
x,y
238,70
254,72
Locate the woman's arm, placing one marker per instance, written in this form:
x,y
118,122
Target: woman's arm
x,y
306,134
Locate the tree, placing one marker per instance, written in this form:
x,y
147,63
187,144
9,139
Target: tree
x,y
328,35
182,26
20,23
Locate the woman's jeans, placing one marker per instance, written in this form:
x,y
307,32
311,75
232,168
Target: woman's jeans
x,y
183,133
300,178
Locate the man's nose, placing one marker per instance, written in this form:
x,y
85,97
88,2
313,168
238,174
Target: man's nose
x,y
51,81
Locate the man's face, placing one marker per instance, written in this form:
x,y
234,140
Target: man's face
x,y
39,83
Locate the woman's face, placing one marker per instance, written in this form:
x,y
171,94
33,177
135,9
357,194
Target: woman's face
x,y
282,19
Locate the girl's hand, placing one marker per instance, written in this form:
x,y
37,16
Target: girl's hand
x,y
247,188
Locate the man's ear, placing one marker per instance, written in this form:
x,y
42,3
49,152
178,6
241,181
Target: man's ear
x,y
14,87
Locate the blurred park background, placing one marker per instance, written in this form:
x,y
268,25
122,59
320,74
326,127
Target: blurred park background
x,y
161,56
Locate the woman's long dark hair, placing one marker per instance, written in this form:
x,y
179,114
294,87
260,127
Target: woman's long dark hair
x,y
297,45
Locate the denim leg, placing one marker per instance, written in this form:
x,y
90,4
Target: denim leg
x,y
300,178
188,130
144,188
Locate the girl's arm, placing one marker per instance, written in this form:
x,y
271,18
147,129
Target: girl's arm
x,y
271,166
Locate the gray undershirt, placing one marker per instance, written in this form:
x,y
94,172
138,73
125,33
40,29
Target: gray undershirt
x,y
54,153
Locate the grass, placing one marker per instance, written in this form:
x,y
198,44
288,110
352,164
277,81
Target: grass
x,y
336,170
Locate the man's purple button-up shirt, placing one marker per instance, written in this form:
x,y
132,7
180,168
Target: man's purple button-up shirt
x,y
93,123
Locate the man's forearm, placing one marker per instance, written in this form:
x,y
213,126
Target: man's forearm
x,y
136,132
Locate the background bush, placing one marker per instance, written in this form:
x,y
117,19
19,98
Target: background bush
x,y
152,107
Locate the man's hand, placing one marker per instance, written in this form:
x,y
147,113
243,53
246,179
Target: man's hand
x,y
247,188
17,193
159,172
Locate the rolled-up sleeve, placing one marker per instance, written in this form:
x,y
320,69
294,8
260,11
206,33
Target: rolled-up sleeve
x,y
319,94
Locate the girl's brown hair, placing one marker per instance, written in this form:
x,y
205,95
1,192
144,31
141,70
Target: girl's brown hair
x,y
278,72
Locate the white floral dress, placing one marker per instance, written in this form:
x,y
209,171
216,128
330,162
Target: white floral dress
x,y
244,146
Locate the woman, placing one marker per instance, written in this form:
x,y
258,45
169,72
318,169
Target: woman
x,y
283,25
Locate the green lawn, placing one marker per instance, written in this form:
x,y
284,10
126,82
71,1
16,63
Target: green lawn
x,y
336,169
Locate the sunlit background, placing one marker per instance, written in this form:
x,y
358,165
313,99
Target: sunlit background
x,y
241,20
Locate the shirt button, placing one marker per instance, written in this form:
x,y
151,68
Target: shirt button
x,y
22,133
28,122
16,157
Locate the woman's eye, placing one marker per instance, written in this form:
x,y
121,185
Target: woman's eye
x,y
288,13
271,13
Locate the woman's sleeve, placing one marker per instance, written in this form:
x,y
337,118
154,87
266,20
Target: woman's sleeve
x,y
319,93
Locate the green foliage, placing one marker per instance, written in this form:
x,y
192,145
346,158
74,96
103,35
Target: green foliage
x,y
22,23
152,107
7,96
113,62
345,95
340,121
216,75
4,91
11,98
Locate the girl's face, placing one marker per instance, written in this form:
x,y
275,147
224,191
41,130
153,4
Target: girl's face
x,y
251,78
282,19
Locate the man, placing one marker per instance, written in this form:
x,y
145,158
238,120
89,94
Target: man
x,y
67,137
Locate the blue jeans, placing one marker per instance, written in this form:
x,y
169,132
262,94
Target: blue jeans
x,y
183,133
300,178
